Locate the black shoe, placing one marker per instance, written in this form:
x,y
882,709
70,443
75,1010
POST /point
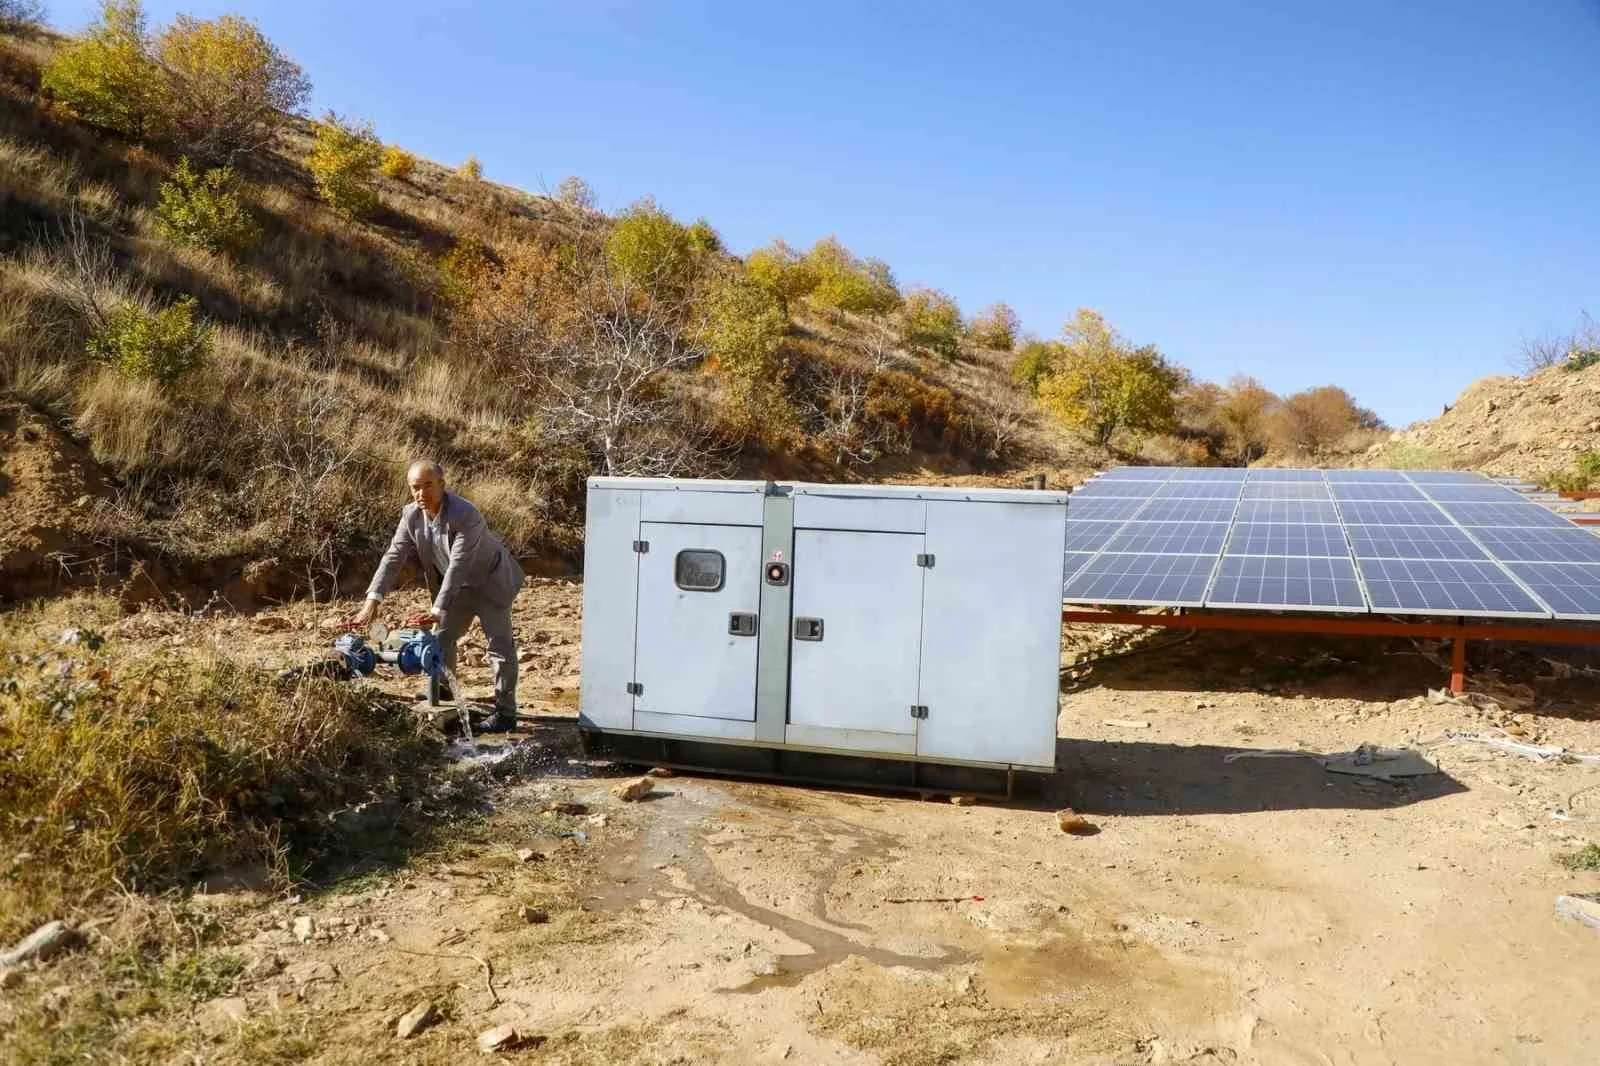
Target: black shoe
x,y
501,721
444,693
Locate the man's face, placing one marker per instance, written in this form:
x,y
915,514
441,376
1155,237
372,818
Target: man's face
x,y
427,489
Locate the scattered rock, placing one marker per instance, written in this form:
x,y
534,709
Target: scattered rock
x,y
378,936
506,1038
304,929
10,977
766,966
41,945
967,985
222,1014
532,915
964,801
264,967
528,855
1073,822
599,821
1128,723
661,771
565,807
417,1019
631,791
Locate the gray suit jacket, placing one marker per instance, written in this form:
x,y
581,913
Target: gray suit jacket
x,y
478,561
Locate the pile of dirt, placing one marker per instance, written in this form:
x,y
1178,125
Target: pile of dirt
x,y
1507,426
49,486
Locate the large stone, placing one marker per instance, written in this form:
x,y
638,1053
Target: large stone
x,y
41,945
304,928
506,1038
632,791
416,1020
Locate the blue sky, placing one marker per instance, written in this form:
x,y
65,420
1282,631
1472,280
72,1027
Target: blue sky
x,y
1385,196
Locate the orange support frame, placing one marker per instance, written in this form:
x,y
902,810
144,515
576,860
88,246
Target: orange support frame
x,y
1456,632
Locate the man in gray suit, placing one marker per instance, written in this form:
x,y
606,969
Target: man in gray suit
x,y
469,573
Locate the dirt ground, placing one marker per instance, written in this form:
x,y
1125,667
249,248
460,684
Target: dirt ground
x,y
1226,910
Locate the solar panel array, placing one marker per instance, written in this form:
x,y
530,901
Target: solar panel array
x,y
1426,542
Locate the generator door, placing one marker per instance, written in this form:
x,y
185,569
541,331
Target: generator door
x,y
857,630
699,600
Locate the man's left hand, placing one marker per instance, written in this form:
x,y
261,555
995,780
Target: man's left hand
x,y
423,618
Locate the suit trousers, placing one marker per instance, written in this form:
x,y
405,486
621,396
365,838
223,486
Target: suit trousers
x,y
467,605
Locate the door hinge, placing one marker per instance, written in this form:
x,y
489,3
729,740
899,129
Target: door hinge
x,y
635,689
641,546
919,711
925,560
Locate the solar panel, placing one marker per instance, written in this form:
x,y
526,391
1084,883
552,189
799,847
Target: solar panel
x,y
1208,473
1186,511
1359,490
1504,514
1075,562
1392,513
1543,544
1286,538
1199,490
1286,511
1139,473
1474,494
1170,538
1438,586
1447,477
1571,589
1285,490
1367,476
1155,580
1413,542
1100,487
1101,510
1270,582
1267,473
1090,536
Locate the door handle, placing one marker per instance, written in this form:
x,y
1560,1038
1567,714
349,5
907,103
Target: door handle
x,y
808,629
742,624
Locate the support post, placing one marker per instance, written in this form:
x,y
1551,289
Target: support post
x,y
1458,665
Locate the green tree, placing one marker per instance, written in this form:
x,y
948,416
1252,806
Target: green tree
x,y
930,319
741,325
996,327
783,270
704,239
107,76
1103,383
205,210
652,249
164,345
230,89
344,163
1035,360
849,283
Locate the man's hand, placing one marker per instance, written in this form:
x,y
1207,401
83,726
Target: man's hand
x,y
423,619
363,617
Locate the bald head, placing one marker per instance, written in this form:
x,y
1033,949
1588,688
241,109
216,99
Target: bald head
x,y
426,479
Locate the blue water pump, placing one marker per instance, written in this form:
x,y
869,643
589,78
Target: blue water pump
x,y
411,651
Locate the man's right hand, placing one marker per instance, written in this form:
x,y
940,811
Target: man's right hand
x,y
363,617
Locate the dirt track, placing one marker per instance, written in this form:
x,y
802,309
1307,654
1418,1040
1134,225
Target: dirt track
x,y
1258,910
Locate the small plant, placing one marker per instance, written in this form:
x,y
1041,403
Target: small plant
x,y
164,345
397,163
1586,858
1580,359
205,210
1582,477
107,76
471,169
344,163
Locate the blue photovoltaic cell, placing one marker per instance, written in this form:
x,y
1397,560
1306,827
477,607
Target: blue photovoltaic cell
x,y
1285,490
1286,511
1090,536
1571,589
1100,487
1413,542
1075,562
1540,545
1208,473
1169,538
1371,476
1186,511
1175,580
1474,494
1314,583
1437,586
1199,490
1101,509
1392,513
1447,477
1505,514
1140,473
1266,473
1286,538
1377,491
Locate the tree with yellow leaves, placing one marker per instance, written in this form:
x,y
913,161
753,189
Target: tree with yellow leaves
x,y
1102,383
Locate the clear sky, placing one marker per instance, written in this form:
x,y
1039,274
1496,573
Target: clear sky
x,y
1385,196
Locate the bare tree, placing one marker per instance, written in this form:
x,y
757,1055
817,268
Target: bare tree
x,y
1540,353
838,404
18,15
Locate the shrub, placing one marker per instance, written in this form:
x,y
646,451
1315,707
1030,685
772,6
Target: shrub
x,y
848,283
164,345
344,163
463,269
471,169
1033,362
651,248
576,193
1580,359
783,270
1314,420
1586,858
703,238
18,15
930,319
1102,383
230,88
1583,476
205,210
107,76
1245,412
397,163
913,413
995,327
741,324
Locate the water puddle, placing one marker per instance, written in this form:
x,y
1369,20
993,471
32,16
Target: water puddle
x,y
675,854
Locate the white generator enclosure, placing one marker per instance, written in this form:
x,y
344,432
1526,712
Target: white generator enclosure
x,y
914,624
